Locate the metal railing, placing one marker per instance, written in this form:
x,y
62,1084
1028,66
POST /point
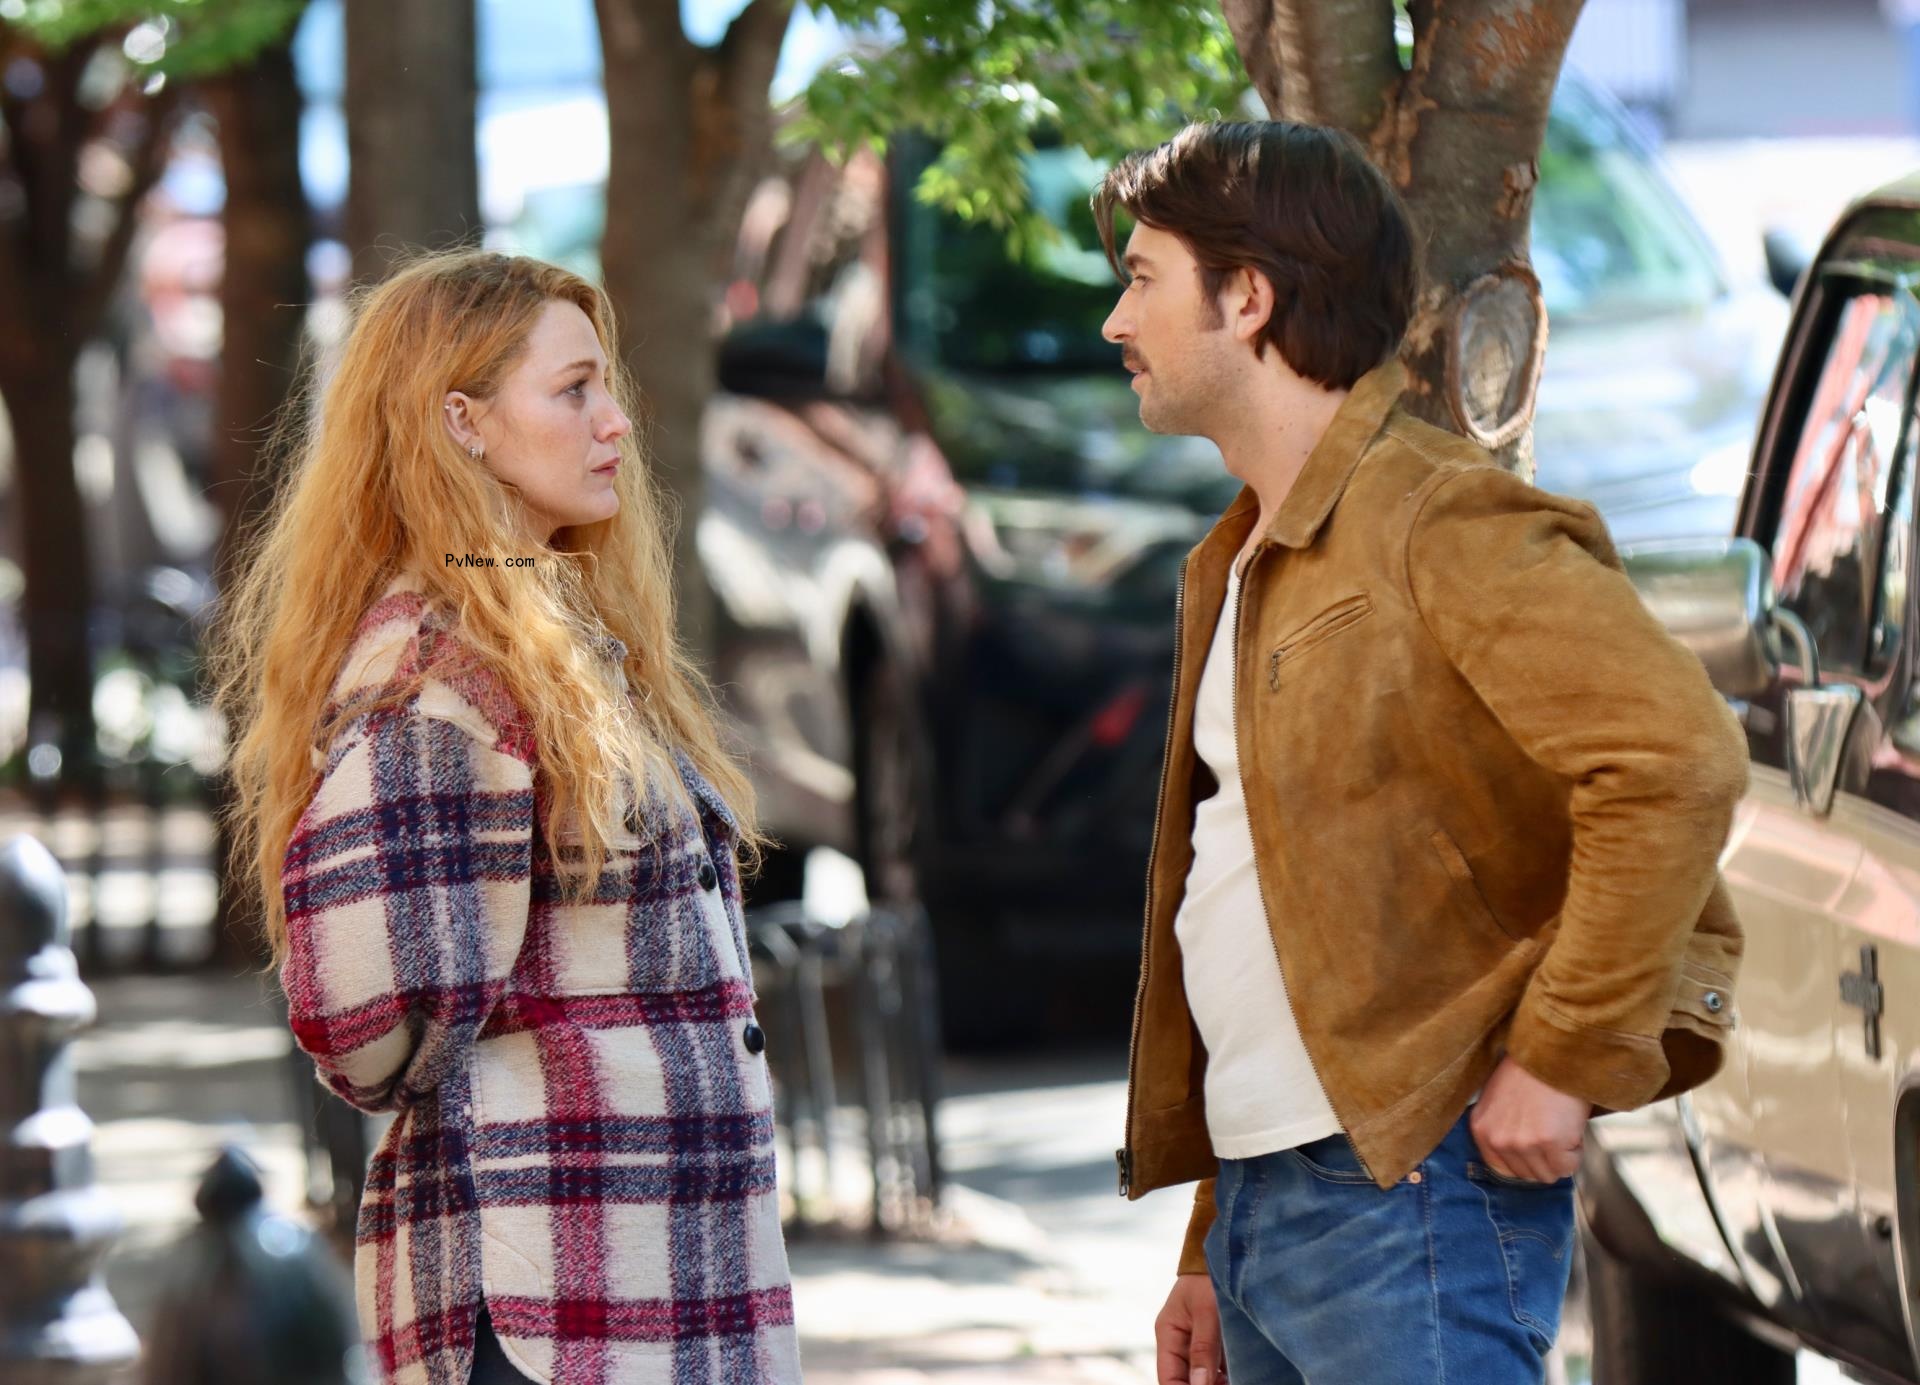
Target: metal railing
x,y
880,967
856,1000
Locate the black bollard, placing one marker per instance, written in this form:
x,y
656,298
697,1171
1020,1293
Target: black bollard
x,y
57,1321
252,1298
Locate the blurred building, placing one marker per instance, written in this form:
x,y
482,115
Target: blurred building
x,y
1729,69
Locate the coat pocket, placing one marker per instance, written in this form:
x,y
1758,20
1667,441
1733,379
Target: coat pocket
x,y
1455,862
1342,615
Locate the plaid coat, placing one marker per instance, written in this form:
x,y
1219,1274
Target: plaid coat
x,y
584,1129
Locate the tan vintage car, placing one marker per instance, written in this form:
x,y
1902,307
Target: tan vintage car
x,y
1778,1206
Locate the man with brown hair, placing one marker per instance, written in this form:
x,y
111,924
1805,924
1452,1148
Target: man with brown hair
x,y
1434,873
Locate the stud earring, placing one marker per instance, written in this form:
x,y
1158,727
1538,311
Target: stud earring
x,y
473,450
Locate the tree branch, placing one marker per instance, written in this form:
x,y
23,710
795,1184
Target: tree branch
x,y
1502,54
148,159
1253,34
752,43
1476,102
640,32
1338,59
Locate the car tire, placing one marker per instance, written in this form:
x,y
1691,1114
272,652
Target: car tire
x,y
782,876
985,1001
890,798
1650,1332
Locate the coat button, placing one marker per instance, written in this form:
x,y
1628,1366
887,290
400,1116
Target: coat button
x,y
709,877
753,1037
1713,1001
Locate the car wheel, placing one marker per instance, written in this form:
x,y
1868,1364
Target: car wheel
x,y
782,876
983,1000
887,787
1648,1332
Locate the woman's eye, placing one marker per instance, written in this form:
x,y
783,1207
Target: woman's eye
x,y
578,389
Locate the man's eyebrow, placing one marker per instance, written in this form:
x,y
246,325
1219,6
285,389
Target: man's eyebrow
x,y
1135,262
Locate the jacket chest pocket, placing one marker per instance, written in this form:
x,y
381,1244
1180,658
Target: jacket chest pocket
x,y
654,925
1342,615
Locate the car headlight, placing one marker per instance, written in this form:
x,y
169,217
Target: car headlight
x,y
1723,471
1067,543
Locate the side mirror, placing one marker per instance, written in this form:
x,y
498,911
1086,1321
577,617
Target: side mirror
x,y
1716,597
1787,259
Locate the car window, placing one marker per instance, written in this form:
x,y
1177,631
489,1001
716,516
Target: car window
x,y
1849,479
1610,239
969,304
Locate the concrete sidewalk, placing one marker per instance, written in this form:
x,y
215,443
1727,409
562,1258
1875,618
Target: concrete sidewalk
x,y
177,1065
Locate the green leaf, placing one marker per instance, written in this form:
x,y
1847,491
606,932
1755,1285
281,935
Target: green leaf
x,y
177,39
985,78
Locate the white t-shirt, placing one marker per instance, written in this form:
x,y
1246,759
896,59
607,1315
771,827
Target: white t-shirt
x,y
1262,1092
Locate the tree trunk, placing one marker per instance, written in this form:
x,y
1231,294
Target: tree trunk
x,y
59,584
689,130
263,296
413,176
1459,133
57,275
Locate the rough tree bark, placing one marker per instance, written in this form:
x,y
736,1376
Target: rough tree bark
x,y
413,178
263,297
65,233
1458,130
690,129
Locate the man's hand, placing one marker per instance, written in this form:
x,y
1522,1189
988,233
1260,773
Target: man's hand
x,y
1526,1129
1187,1333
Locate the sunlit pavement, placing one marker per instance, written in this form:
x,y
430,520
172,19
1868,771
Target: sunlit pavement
x,y
1036,1135
1043,1275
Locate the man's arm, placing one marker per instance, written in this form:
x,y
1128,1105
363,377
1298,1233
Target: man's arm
x,y
1187,1332
1524,593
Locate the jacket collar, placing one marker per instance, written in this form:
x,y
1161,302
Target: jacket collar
x,y
1323,479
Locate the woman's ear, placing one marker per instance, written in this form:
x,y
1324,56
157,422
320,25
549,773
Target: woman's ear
x,y
463,423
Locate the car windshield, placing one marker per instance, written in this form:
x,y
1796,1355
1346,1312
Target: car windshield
x,y
1610,240
970,306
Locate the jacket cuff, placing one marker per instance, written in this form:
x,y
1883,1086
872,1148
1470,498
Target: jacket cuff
x,y
1608,1069
1193,1254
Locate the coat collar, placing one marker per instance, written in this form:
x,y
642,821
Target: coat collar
x,y
703,792
1323,479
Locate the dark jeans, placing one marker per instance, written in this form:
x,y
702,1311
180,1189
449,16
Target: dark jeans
x,y
490,1363
1453,1275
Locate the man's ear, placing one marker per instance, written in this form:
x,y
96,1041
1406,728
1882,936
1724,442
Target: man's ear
x,y
1250,303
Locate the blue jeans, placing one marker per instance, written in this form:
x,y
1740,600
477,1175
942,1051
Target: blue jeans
x,y
1454,1276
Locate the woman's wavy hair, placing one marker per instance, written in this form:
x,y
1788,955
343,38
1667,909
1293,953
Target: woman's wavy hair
x,y
1303,205
376,486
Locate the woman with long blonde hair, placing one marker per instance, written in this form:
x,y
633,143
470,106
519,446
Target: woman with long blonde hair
x,y
480,788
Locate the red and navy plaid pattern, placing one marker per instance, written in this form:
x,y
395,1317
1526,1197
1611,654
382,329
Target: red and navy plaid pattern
x,y
582,1136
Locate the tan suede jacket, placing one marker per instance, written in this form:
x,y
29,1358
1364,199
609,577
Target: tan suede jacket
x,y
1488,794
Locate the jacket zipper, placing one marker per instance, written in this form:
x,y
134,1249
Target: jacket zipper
x,y
1124,1155
1240,762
